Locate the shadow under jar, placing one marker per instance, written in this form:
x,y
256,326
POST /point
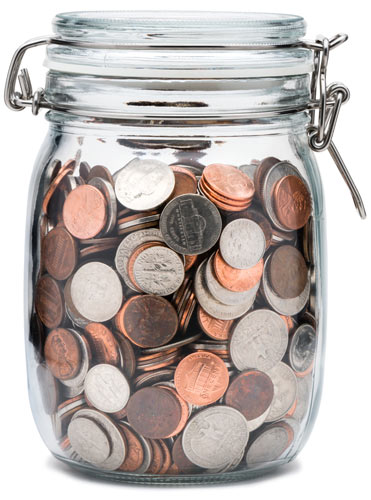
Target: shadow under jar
x,y
175,272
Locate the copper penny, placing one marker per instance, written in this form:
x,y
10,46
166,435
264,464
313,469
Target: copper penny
x,y
62,354
185,182
128,358
166,455
179,458
184,408
59,253
157,458
190,260
237,280
49,302
292,202
154,412
64,171
201,378
222,199
217,329
135,454
228,181
287,272
251,392
103,344
148,320
85,212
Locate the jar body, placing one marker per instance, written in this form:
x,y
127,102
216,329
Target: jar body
x,y
286,372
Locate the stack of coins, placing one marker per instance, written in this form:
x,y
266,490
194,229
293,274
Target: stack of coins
x,y
174,314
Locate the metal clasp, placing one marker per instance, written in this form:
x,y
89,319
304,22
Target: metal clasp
x,y
17,101
330,99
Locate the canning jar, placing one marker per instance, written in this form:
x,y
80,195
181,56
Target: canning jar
x,y
175,267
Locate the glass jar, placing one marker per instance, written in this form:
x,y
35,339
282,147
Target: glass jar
x,y
175,274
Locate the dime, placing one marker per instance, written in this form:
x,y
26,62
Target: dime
x,y
215,436
49,302
287,272
154,412
259,340
128,245
96,291
217,329
201,378
237,280
302,350
222,294
228,181
292,202
85,212
62,354
251,392
116,439
148,320
106,388
242,243
190,224
59,253
212,306
144,184
133,258
285,391
270,444
158,270
89,440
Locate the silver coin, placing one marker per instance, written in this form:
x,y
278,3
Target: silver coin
x,y
71,311
285,391
190,224
180,343
118,449
212,306
274,174
249,169
214,437
72,392
106,388
302,348
127,247
304,397
96,291
89,440
144,184
242,243
151,378
223,294
259,340
137,222
108,192
268,446
286,307
233,464
158,270
71,406
77,381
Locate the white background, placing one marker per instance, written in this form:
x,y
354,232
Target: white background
x,y
336,460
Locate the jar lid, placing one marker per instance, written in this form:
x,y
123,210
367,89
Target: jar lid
x,y
179,44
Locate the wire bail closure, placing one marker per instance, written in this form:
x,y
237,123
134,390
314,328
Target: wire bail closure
x,y
324,106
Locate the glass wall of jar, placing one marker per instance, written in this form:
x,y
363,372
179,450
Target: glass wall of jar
x,y
175,275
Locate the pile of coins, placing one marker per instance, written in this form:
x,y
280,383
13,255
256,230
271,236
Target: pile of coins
x,y
174,314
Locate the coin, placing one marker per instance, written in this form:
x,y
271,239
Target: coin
x,y
251,392
154,412
96,291
102,343
127,359
100,172
106,388
49,302
105,187
215,436
302,350
134,256
249,169
158,270
179,458
62,353
148,320
190,224
292,202
77,380
259,340
84,170
89,440
135,453
201,378
237,280
49,388
228,181
261,171
55,183
212,306
217,329
269,445
185,181
59,253
304,396
85,212
242,243
144,184
116,439
287,272
285,391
